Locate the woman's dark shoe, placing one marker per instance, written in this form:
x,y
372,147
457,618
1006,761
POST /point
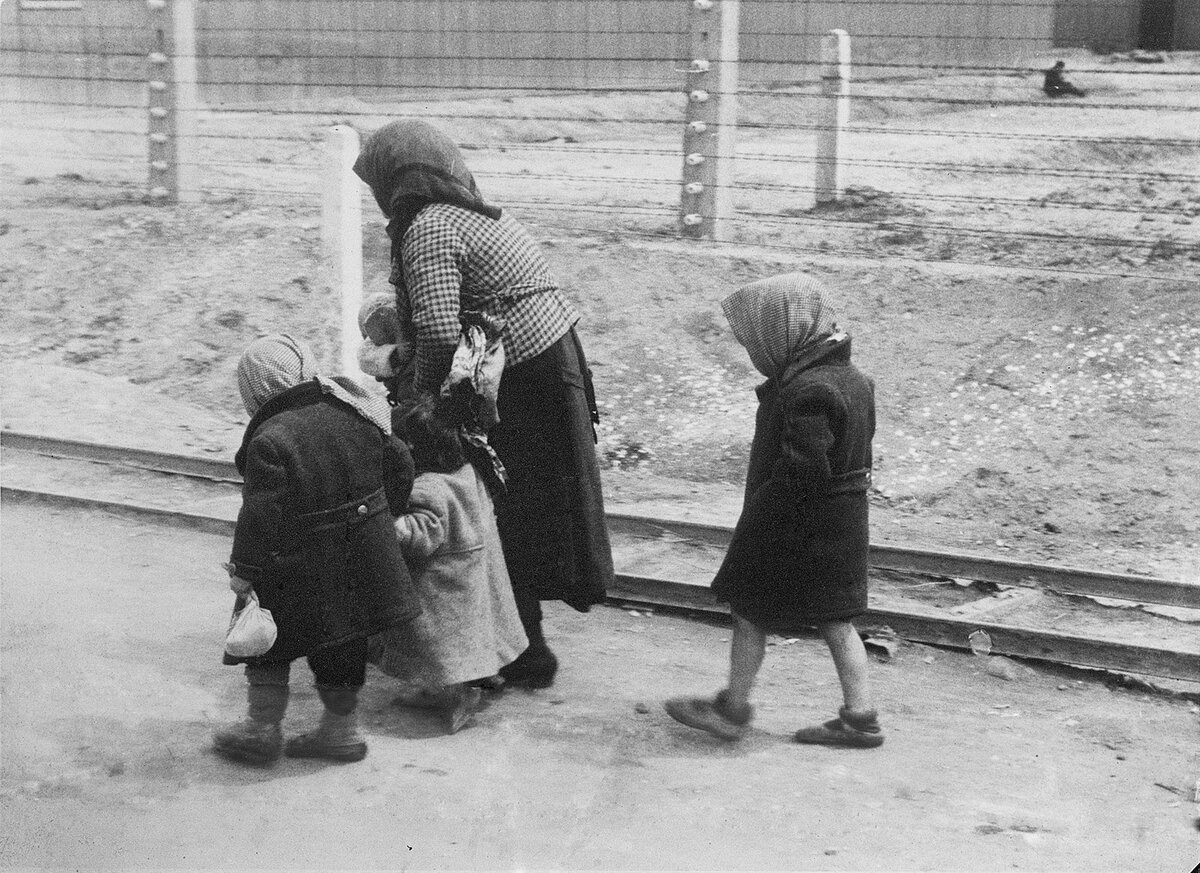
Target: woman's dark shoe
x,y
715,716
859,730
534,668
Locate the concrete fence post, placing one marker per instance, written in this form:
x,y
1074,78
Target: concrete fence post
x,y
834,114
162,133
172,102
710,128
187,99
341,237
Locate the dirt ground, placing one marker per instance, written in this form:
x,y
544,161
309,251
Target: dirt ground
x,y
1043,417
111,686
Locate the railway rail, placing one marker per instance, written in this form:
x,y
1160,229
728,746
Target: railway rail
x,y
1026,610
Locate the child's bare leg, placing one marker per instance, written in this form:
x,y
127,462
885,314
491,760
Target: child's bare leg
x,y
745,658
857,724
850,660
727,715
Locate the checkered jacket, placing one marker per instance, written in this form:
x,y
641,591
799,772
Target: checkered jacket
x,y
452,258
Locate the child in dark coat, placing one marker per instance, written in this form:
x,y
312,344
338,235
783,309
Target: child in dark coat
x,y
324,480
798,557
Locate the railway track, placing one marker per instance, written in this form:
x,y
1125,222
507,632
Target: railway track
x,y
1043,612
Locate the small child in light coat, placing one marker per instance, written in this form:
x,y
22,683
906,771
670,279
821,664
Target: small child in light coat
x,y
469,626
798,557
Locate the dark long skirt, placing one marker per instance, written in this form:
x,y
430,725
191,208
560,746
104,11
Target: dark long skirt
x,y
551,521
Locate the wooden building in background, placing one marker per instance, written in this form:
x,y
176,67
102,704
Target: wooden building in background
x,y
254,51
1121,25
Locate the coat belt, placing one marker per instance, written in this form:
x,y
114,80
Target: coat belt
x,y
852,482
354,511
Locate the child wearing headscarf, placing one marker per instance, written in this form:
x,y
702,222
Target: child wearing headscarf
x,y
454,252
323,480
798,557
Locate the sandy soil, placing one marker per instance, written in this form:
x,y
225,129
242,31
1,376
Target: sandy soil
x,y
1040,415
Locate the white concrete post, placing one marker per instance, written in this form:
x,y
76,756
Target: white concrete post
x,y
187,99
834,114
162,183
710,130
341,236
172,101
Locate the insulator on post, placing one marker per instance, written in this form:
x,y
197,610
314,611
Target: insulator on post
x,y
694,159
158,112
702,5
698,96
692,219
159,166
700,65
156,5
156,85
160,193
157,58
693,188
159,138
697,126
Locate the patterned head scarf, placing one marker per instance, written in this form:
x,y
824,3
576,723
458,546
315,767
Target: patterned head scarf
x,y
410,164
778,317
272,364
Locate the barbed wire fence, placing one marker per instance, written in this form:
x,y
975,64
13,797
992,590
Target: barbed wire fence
x,y
945,148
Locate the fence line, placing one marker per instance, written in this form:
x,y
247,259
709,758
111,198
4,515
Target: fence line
x,y
914,194
923,159
1147,69
1157,142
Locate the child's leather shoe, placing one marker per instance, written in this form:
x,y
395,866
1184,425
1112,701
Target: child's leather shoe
x,y
715,716
858,730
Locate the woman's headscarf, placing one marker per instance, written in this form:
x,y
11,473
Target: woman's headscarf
x,y
272,364
778,317
410,164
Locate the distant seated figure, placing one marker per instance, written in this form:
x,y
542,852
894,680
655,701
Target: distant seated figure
x,y
1056,86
